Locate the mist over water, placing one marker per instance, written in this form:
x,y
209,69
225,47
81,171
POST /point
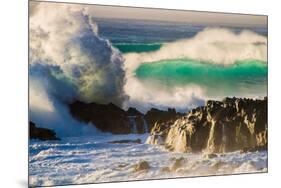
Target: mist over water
x,y
69,61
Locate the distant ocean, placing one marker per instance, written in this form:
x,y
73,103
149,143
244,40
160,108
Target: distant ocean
x,y
212,70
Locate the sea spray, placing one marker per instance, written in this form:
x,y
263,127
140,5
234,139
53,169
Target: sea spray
x,y
215,63
224,140
88,161
133,124
211,140
145,125
216,45
74,64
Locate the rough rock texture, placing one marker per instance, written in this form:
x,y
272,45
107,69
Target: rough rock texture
x,y
159,116
108,118
141,166
41,133
219,126
111,118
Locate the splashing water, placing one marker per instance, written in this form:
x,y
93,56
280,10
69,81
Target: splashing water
x,y
93,160
133,124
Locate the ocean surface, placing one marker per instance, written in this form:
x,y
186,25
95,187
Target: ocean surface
x,y
78,160
166,65
132,32
186,63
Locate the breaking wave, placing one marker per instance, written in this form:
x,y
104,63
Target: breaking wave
x,y
215,63
69,61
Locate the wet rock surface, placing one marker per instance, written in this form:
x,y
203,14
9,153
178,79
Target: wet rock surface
x,y
219,126
177,164
141,166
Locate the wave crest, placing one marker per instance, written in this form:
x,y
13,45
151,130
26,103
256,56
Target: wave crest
x,y
69,61
214,45
219,47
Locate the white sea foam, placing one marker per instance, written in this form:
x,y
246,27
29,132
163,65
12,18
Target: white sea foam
x,y
69,61
213,45
94,160
144,95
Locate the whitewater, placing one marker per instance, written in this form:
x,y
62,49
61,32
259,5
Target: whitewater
x,y
94,160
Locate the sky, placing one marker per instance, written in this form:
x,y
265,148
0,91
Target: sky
x,y
185,16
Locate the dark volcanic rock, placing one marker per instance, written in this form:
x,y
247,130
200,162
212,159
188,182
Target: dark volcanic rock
x,y
219,126
108,118
134,112
159,116
111,118
41,133
137,141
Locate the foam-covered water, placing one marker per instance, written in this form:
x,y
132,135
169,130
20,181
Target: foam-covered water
x,y
92,159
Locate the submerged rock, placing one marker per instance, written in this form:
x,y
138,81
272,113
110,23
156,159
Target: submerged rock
x,y
178,163
165,169
41,133
210,156
219,126
219,164
253,149
141,166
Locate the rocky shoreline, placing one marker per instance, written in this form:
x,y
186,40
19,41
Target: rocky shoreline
x,y
42,134
219,126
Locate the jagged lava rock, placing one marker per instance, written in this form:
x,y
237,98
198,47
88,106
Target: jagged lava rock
x,y
160,116
111,118
219,126
107,118
41,133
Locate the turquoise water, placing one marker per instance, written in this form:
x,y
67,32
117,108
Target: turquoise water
x,y
137,47
248,77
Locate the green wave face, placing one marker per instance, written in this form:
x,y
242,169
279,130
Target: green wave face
x,y
137,47
243,78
